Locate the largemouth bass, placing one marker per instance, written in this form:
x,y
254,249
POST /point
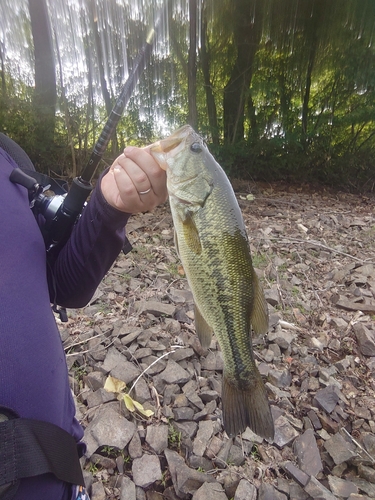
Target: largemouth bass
x,y
212,244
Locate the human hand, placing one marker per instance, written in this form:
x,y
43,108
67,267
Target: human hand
x,y
135,182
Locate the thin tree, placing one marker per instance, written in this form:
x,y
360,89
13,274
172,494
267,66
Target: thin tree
x,y
192,65
45,93
247,16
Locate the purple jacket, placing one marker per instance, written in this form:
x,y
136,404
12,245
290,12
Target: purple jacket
x,y
33,371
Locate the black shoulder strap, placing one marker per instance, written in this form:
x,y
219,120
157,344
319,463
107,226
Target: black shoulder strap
x,y
16,152
26,165
31,448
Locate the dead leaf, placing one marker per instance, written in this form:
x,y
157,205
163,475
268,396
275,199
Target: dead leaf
x,y
113,384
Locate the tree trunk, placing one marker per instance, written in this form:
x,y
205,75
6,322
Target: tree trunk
x,y
247,30
312,39
192,65
45,79
205,63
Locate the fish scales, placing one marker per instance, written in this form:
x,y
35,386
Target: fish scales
x,y
212,243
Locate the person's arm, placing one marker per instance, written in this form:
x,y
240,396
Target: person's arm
x,y
133,184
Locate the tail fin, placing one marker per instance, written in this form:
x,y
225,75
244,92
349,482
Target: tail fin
x,y
246,407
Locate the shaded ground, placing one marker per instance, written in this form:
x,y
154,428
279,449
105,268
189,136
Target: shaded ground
x,y
315,254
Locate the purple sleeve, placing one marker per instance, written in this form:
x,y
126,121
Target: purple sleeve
x,y
93,246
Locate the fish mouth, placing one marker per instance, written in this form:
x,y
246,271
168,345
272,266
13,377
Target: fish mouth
x,y
169,147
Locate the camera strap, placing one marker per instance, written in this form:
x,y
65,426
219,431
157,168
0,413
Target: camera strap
x,y
33,447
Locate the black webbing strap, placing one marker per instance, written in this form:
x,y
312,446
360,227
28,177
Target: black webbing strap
x,y
26,165
32,447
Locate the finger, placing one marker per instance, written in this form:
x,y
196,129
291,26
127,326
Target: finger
x,y
156,176
127,195
136,174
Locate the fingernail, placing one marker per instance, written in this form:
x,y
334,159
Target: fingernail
x,y
128,149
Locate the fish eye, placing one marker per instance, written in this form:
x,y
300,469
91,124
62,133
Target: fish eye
x,y
196,147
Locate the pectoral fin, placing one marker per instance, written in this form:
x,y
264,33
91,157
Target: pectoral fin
x,y
259,314
204,331
191,235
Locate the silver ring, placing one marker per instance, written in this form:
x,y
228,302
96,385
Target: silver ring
x,y
144,192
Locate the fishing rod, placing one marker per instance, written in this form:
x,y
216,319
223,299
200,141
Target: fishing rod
x,y
62,211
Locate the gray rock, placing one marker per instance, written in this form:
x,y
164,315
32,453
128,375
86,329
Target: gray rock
x,y
222,456
364,486
205,431
339,449
170,494
157,437
187,429
357,496
284,432
99,397
236,456
126,371
272,296
367,473
229,479
141,392
180,354
214,447
314,420
341,487
174,373
317,491
105,462
108,428
209,409
113,358
327,398
153,495
135,446
196,400
268,492
154,307
281,337
98,492
249,435
128,337
307,453
146,470
213,361
297,493
200,463
127,491
208,395
339,324
185,480
297,474
365,339
369,443
183,413
95,380
280,378
245,491
210,491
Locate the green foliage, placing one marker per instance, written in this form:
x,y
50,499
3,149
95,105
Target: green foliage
x,y
174,438
309,105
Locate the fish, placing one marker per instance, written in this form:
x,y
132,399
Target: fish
x,y
213,246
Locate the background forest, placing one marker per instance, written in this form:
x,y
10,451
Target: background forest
x,y
280,89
